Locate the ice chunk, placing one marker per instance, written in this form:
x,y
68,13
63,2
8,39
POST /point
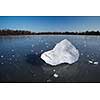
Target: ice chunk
x,y
12,50
55,75
93,62
96,63
90,61
2,56
63,52
2,63
54,70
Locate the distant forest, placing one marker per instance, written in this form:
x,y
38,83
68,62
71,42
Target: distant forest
x,y
22,32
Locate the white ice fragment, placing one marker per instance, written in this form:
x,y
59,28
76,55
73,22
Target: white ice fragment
x,y
54,70
32,45
93,62
47,46
46,43
2,63
55,75
90,61
81,54
2,56
41,50
13,55
96,63
36,53
12,50
87,55
63,52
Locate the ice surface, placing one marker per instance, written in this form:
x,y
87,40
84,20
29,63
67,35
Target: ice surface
x,y
63,52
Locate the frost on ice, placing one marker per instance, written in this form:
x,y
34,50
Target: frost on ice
x,y
63,52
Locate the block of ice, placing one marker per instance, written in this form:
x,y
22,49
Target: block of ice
x,y
55,75
90,61
63,52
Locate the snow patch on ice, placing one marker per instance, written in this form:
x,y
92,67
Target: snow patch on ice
x,y
63,52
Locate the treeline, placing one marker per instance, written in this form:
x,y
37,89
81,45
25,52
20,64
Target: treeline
x,y
14,32
22,32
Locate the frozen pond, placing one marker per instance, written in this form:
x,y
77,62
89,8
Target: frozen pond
x,y
20,59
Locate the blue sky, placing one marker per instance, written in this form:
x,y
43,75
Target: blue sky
x,y
50,23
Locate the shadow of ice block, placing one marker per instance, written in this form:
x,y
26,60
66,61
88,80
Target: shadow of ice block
x,y
63,52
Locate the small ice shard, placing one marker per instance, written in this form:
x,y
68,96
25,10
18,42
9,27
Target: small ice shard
x,y
13,55
36,53
93,62
81,54
87,55
41,50
55,75
63,52
90,61
2,63
12,50
96,63
2,56
54,70
32,45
